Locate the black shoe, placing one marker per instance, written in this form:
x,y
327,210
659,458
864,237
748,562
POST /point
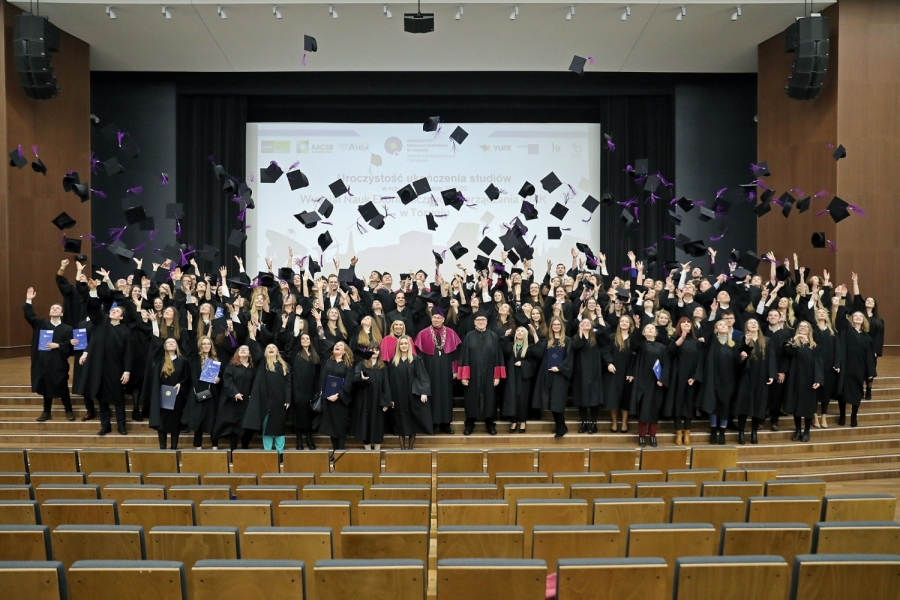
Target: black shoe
x,y
122,430
136,415
467,431
753,438
741,439
299,445
447,429
853,421
104,431
842,420
868,395
713,438
796,436
281,459
70,416
592,428
88,416
653,441
45,416
583,427
774,426
309,441
492,430
641,441
184,429
561,432
805,437
721,436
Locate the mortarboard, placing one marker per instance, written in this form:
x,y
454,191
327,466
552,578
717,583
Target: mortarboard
x,y
82,191
803,204
135,214
237,238
270,174
69,180
696,248
559,211
782,273
119,249
837,208
706,214
492,192
459,135
265,278
326,208
487,245
219,170
651,183
421,186
681,240
674,216
762,169
174,210
554,233
310,44
818,239
510,239
623,294
740,273
235,284
481,263
431,124
407,194
685,204
458,250
112,166
314,267
130,149
749,260
297,180
590,204
209,252
338,188
377,222
17,158
577,65
527,190
452,198
642,166
607,198
285,273
64,221
513,258
437,257
325,240
550,182
110,132
626,216
38,166
839,153
787,203
671,265
765,206
220,325
585,249
528,210
72,245
432,224
368,211
346,275
309,219
229,186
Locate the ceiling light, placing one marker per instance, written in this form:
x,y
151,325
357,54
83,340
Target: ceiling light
x,y
221,11
570,13
681,14
626,14
333,12
387,11
166,13
512,15
460,13
276,12
737,13
110,12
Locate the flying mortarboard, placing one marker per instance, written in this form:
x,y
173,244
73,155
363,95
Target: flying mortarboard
x,y
782,273
787,203
310,44
740,273
749,260
368,211
130,149
651,183
674,216
270,174
642,166
377,222
839,153
459,135
577,65
325,240
487,245
528,210
38,166
586,249
763,207
550,183
113,167
432,224
554,233
481,263
407,194
237,238
527,190
17,158
314,267
346,275
803,204
431,124
285,273
696,248
421,186
326,208
72,245
837,208
559,211
338,188
607,198
458,250
818,239
590,204
135,214
762,169
685,204
297,180
706,214
492,192
64,221
309,219
82,191
510,239
513,257
69,180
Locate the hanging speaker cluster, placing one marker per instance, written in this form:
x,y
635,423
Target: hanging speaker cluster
x,y
34,38
807,39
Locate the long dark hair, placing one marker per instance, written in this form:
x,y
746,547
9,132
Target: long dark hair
x,y
689,322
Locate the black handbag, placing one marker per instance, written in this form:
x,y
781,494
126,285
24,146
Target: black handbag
x,y
315,405
203,395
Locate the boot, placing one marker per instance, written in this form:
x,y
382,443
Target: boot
x,y
678,437
136,414
753,438
309,441
299,445
842,419
583,427
45,416
87,416
721,436
641,441
797,435
592,427
868,395
70,416
687,437
853,421
741,439
653,441
805,437
713,438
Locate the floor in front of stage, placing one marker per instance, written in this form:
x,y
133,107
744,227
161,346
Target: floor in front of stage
x,y
865,459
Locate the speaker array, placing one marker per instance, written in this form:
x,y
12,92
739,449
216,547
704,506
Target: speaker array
x,y
34,38
807,39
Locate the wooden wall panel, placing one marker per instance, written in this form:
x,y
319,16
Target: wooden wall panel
x,y
60,127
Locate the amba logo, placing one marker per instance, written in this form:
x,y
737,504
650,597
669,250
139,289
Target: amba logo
x,y
359,148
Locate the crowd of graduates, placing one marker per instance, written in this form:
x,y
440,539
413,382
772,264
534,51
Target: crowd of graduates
x,y
368,354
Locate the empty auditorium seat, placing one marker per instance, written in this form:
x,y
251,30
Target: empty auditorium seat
x,y
25,543
480,541
856,537
786,540
716,577
72,543
397,579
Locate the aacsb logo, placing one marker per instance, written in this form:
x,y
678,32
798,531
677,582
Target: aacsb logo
x,y
393,145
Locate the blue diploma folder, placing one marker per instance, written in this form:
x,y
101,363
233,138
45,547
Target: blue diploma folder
x,y
46,338
210,371
167,396
555,357
657,370
333,385
80,336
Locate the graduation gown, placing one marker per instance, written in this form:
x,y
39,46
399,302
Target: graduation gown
x,y
109,356
827,345
304,377
407,382
551,389
800,399
271,391
481,362
647,397
858,356
79,371
587,372
230,414
201,416
335,414
49,368
752,395
440,364
686,362
616,389
369,397
720,378
517,393
164,420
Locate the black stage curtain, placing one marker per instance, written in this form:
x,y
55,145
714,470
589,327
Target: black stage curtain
x,y
210,127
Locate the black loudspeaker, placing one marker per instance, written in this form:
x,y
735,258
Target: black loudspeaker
x,y
807,39
418,22
34,38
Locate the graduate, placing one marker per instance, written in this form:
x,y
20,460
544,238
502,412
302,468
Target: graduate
x,y
520,367
686,354
51,345
270,397
778,335
371,398
481,368
617,356
826,339
410,391
649,373
237,385
869,309
201,413
304,378
389,342
720,380
169,369
336,385
805,375
438,345
757,374
551,388
108,359
857,364
587,372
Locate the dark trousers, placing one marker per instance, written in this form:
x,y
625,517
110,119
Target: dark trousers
x,y
338,443
560,420
583,412
470,423
776,393
89,405
105,414
198,439
162,440
245,440
65,397
682,423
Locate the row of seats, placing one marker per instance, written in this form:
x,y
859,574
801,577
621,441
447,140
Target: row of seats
x,y
813,577
360,461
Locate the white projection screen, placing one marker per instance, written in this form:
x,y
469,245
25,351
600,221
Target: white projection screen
x,y
375,160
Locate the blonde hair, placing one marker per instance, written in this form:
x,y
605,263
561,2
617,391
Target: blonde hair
x,y
670,328
272,360
828,324
865,324
365,340
402,324
557,342
340,324
729,342
809,327
348,355
622,341
409,353
212,347
168,366
524,342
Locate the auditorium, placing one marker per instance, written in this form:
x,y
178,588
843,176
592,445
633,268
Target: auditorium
x,y
427,301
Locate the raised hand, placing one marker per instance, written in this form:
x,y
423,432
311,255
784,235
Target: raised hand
x,y
64,263
30,294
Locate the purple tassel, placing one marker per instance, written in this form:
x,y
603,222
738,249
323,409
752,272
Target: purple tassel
x,y
322,260
636,218
385,197
771,260
245,227
821,212
303,60
361,228
800,193
531,243
163,179
293,166
717,238
232,340
700,203
98,193
299,262
120,135
243,214
116,233
348,191
653,198
255,284
650,248
502,191
440,215
177,228
756,168
95,163
152,234
137,191
324,222
640,179
34,150
252,179
720,192
591,59
629,169
588,220
184,260
831,246
386,212
821,193
591,262
62,240
566,197
21,154
751,197
610,146
211,158
663,181
139,247
760,183
87,236
572,190
831,146
471,205
666,236
857,210
434,201
484,229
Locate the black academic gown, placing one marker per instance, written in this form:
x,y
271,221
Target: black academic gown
x,y
407,382
777,339
827,345
49,368
481,362
109,356
236,379
752,394
647,397
161,419
271,391
517,393
858,355
686,363
335,414
616,388
551,388
800,399
304,377
370,396
720,378
587,372
201,416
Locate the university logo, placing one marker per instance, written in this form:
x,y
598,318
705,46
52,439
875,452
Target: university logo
x,y
393,145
